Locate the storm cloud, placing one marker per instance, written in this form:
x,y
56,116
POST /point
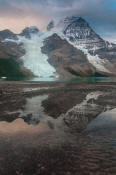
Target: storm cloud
x,y
17,14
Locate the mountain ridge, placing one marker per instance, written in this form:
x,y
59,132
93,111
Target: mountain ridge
x,y
71,46
78,30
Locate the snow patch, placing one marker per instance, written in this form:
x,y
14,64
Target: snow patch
x,y
98,63
10,40
94,60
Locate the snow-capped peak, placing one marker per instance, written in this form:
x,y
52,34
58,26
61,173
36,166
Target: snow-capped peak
x,y
78,30
73,19
78,33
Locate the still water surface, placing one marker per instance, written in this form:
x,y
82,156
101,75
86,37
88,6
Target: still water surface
x,y
51,79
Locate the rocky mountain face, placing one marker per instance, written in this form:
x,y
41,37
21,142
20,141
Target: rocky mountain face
x,y
50,26
67,60
70,61
100,53
78,31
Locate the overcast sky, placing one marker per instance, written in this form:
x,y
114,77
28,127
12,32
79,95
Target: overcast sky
x,y
17,14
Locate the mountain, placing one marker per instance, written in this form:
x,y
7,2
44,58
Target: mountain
x,y
7,34
25,51
11,52
100,53
67,60
78,31
67,49
70,61
28,31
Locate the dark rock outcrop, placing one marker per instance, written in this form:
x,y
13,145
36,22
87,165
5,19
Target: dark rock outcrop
x,y
28,31
50,25
7,34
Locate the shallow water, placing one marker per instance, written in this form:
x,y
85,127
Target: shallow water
x,y
32,112
52,79
105,121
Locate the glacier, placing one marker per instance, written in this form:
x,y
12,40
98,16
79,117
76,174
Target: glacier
x,y
34,59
